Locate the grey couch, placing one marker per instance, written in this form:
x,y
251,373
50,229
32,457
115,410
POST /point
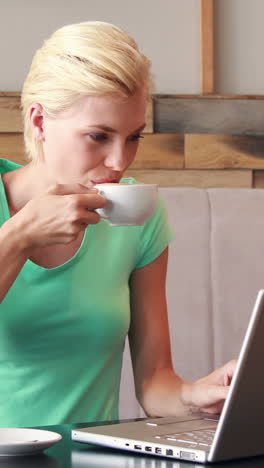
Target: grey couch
x,y
216,267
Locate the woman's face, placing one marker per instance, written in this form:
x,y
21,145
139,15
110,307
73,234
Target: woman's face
x,y
95,140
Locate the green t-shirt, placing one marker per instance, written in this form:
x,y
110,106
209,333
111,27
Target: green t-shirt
x,y
62,330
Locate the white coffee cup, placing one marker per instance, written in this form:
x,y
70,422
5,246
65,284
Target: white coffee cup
x,y
128,204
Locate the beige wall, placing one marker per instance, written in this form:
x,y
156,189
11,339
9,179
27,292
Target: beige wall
x,y
167,31
240,42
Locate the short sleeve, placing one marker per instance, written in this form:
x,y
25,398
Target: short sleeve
x,y
155,236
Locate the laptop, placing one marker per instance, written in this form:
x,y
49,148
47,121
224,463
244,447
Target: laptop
x,y
200,437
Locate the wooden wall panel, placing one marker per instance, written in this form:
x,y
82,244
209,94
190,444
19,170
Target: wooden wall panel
x,y
192,178
12,147
258,179
149,117
229,116
11,119
155,151
207,46
160,151
224,151
201,158
10,114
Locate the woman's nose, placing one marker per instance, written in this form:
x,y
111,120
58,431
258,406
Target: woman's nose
x,y
117,160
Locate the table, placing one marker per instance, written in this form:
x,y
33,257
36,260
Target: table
x,y
69,454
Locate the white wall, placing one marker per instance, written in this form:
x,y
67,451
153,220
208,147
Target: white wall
x,y
240,44
166,30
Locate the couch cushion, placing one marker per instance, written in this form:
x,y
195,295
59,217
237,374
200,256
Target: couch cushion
x,y
188,281
237,252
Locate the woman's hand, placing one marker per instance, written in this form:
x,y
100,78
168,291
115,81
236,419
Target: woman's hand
x,y
209,393
58,215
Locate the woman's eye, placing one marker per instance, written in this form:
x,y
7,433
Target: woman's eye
x,y
98,136
135,137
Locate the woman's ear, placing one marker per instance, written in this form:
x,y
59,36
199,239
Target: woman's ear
x,y
36,120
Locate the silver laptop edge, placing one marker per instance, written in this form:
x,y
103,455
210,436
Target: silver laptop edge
x,y
140,446
252,410
230,436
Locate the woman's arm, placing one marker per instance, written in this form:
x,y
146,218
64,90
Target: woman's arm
x,y
13,255
160,391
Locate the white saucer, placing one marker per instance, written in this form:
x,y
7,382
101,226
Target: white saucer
x,y
17,442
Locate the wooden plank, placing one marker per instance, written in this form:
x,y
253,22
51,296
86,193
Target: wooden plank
x,y
9,93
10,114
203,97
160,151
155,151
207,46
12,147
179,96
224,151
149,117
175,114
192,178
258,179
11,118
222,116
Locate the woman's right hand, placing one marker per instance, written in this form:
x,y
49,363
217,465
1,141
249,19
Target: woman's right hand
x,y
58,215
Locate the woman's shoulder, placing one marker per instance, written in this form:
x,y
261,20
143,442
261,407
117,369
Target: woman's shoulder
x,y
6,165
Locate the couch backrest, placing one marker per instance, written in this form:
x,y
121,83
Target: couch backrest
x,y
216,267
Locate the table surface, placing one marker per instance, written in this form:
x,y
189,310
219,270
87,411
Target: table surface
x,y
70,454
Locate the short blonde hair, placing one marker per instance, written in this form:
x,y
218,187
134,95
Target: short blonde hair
x,y
89,58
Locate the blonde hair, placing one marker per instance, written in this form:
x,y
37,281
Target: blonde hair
x,y
89,58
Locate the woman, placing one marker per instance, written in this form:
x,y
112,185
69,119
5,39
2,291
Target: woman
x,y
72,287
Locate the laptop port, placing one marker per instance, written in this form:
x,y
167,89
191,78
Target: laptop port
x,y
148,449
169,452
187,455
137,447
158,450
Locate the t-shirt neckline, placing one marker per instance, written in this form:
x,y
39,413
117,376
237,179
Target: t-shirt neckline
x,y
29,263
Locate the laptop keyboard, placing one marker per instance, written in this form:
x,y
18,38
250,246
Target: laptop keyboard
x,y
199,437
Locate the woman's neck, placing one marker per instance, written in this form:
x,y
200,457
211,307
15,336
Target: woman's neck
x,y
23,184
